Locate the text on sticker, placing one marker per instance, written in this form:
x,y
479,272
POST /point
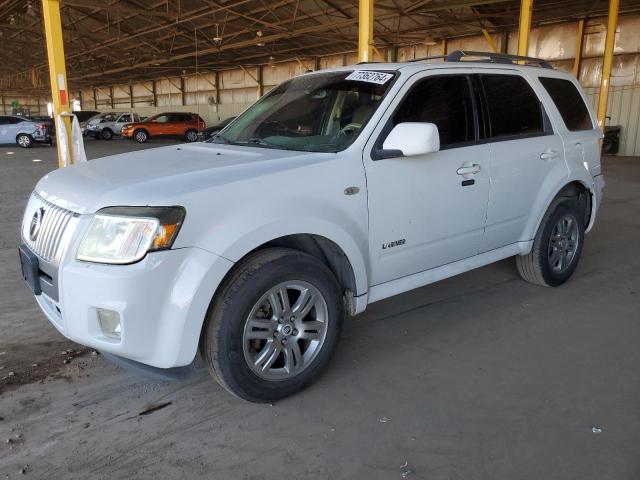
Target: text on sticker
x,y
379,78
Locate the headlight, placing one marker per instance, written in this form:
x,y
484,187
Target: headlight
x,y
125,234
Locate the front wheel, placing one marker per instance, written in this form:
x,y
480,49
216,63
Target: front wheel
x,y
140,136
24,140
106,134
273,326
557,245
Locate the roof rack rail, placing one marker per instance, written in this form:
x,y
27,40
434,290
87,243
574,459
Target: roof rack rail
x,y
489,57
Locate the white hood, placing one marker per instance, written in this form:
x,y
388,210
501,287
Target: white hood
x,y
146,177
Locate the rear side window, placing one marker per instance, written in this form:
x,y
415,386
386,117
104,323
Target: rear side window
x,y
445,101
514,108
179,118
567,99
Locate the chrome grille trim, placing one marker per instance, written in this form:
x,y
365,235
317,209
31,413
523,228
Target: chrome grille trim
x,y
54,223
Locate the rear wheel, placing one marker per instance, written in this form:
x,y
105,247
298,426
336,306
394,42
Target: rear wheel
x,y
557,246
140,136
191,136
106,134
24,140
273,326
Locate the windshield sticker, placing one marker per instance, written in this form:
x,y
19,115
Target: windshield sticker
x,y
378,78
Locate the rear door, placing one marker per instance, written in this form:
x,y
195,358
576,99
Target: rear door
x,y
525,153
581,135
181,122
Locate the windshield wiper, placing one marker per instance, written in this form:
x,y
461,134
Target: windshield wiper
x,y
264,143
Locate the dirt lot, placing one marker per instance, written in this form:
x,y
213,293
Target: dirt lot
x,y
481,376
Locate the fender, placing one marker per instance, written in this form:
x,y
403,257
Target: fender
x,y
545,200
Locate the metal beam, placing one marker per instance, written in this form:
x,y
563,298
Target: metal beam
x,y
490,41
57,70
579,42
526,7
607,61
365,30
118,7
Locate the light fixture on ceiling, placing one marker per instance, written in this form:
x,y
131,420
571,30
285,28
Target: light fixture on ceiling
x,y
12,20
260,44
217,40
259,33
271,61
429,41
30,10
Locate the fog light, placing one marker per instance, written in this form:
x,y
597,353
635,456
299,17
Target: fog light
x,y
109,323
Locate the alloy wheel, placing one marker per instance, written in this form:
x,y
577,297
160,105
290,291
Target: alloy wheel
x,y
563,243
285,330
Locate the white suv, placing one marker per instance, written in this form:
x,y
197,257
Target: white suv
x,y
106,125
336,189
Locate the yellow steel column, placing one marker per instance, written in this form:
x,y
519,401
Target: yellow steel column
x,y
579,41
525,27
57,68
365,30
607,62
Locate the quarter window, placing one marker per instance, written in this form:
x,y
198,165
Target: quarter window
x,y
514,108
570,104
446,102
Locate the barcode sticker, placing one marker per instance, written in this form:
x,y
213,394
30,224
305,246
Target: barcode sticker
x,y
379,78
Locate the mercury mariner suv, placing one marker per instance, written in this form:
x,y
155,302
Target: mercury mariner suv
x,y
337,189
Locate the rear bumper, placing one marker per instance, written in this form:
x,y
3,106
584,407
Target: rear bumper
x,y
598,192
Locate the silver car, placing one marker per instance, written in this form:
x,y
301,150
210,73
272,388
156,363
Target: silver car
x,y
106,125
21,130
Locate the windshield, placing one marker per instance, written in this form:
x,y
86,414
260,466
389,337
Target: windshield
x,y
110,117
316,113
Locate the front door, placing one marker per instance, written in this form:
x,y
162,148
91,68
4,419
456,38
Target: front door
x,y
428,210
122,121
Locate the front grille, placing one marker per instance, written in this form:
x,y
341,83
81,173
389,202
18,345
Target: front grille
x,y
44,239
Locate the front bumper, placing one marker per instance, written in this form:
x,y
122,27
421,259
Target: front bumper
x,y
162,302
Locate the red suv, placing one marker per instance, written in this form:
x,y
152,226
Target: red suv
x,y
178,124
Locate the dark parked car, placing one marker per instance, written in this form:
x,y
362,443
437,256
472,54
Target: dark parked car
x,y
209,132
84,115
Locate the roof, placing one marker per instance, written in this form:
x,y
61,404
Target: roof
x,y
117,41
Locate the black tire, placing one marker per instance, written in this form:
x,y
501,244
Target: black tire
x,y
537,267
106,134
191,136
24,140
222,337
140,136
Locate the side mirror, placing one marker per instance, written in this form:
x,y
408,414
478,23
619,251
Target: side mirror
x,y
410,139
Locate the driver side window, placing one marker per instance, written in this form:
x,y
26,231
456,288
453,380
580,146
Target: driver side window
x,y
445,101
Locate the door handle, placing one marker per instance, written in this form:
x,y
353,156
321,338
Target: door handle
x,y
469,169
549,155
